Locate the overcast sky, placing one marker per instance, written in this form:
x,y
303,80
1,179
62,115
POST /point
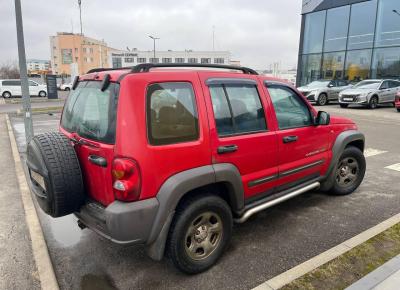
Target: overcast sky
x,y
257,32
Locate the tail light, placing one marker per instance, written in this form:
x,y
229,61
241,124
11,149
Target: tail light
x,y
126,179
398,97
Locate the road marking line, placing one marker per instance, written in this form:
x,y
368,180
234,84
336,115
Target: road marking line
x,y
394,167
372,152
45,268
323,258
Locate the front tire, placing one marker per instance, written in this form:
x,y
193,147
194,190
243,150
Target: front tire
x,y
7,95
42,94
199,234
349,172
322,100
373,102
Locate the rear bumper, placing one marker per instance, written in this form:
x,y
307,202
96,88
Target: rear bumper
x,y
121,222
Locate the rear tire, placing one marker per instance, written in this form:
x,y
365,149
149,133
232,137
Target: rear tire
x,y
398,110
349,172
322,100
344,105
373,102
67,89
42,94
52,156
7,95
200,231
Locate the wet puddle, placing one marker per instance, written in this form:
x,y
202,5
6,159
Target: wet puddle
x,y
65,230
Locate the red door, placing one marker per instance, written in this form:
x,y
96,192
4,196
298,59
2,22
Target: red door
x,y
303,147
240,131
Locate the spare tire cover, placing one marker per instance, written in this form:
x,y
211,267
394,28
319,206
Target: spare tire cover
x,y
55,175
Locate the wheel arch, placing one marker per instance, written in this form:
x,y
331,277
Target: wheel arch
x,y
222,179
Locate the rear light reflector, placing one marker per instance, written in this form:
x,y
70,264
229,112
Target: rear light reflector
x,y
126,179
398,97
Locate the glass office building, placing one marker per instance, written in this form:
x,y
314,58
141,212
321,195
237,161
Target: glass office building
x,y
349,39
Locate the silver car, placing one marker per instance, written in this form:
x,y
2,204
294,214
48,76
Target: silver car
x,y
322,92
370,93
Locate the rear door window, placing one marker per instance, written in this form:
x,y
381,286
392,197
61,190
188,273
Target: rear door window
x,y
12,83
171,113
91,113
237,109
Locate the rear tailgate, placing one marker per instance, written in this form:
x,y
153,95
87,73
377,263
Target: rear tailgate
x,y
89,119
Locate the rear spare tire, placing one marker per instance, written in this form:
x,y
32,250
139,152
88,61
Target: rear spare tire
x,y
55,174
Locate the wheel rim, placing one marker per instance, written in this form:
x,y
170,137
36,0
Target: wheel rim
x,y
322,100
203,236
42,94
373,103
6,95
347,172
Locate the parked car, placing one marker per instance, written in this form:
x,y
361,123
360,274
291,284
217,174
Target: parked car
x,y
170,158
397,102
322,92
66,87
370,93
12,88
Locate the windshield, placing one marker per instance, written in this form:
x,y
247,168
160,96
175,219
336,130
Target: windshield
x,y
368,85
318,84
91,113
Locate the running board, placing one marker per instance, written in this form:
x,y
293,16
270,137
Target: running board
x,y
273,202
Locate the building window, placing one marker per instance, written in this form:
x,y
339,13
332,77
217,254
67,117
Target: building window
x,y
76,50
336,31
388,23
333,65
141,60
358,63
66,56
314,32
386,63
116,62
206,60
362,25
167,60
76,59
91,50
310,66
171,113
91,59
192,60
154,60
219,60
179,60
129,59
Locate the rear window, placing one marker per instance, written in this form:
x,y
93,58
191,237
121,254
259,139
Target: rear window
x,y
91,113
11,83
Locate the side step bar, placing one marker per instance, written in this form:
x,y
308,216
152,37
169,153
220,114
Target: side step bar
x,y
247,214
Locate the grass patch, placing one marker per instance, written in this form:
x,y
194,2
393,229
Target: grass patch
x,y
352,265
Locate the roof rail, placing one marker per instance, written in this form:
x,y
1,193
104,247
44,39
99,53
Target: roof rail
x,y
100,69
145,67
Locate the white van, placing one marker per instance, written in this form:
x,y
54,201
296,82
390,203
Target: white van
x,y
12,88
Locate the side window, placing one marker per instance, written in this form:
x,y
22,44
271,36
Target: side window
x,y
33,84
290,110
385,85
342,83
171,113
332,84
394,84
237,109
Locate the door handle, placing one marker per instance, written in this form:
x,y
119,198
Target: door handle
x,y
289,139
98,160
227,149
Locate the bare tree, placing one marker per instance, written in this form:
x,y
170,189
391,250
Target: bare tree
x,y
9,70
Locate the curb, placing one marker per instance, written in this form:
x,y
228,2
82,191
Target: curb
x,y
41,255
323,258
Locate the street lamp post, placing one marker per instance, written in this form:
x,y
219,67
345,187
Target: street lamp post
x,y
154,45
80,14
23,74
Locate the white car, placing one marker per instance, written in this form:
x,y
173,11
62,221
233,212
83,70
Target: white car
x,y
66,87
370,93
11,88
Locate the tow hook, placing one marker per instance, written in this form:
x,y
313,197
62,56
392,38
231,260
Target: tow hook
x,y
81,225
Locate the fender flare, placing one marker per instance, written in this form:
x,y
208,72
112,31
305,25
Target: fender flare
x,y
176,186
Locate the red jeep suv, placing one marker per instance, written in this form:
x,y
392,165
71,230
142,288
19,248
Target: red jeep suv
x,y
170,155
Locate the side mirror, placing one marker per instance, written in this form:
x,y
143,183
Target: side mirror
x,y
330,86
322,119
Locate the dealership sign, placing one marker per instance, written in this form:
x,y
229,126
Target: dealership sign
x,y
124,54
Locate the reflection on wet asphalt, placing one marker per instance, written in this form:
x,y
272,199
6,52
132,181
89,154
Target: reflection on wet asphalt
x,y
65,230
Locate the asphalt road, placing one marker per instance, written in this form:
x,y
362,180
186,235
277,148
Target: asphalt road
x,y
271,242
